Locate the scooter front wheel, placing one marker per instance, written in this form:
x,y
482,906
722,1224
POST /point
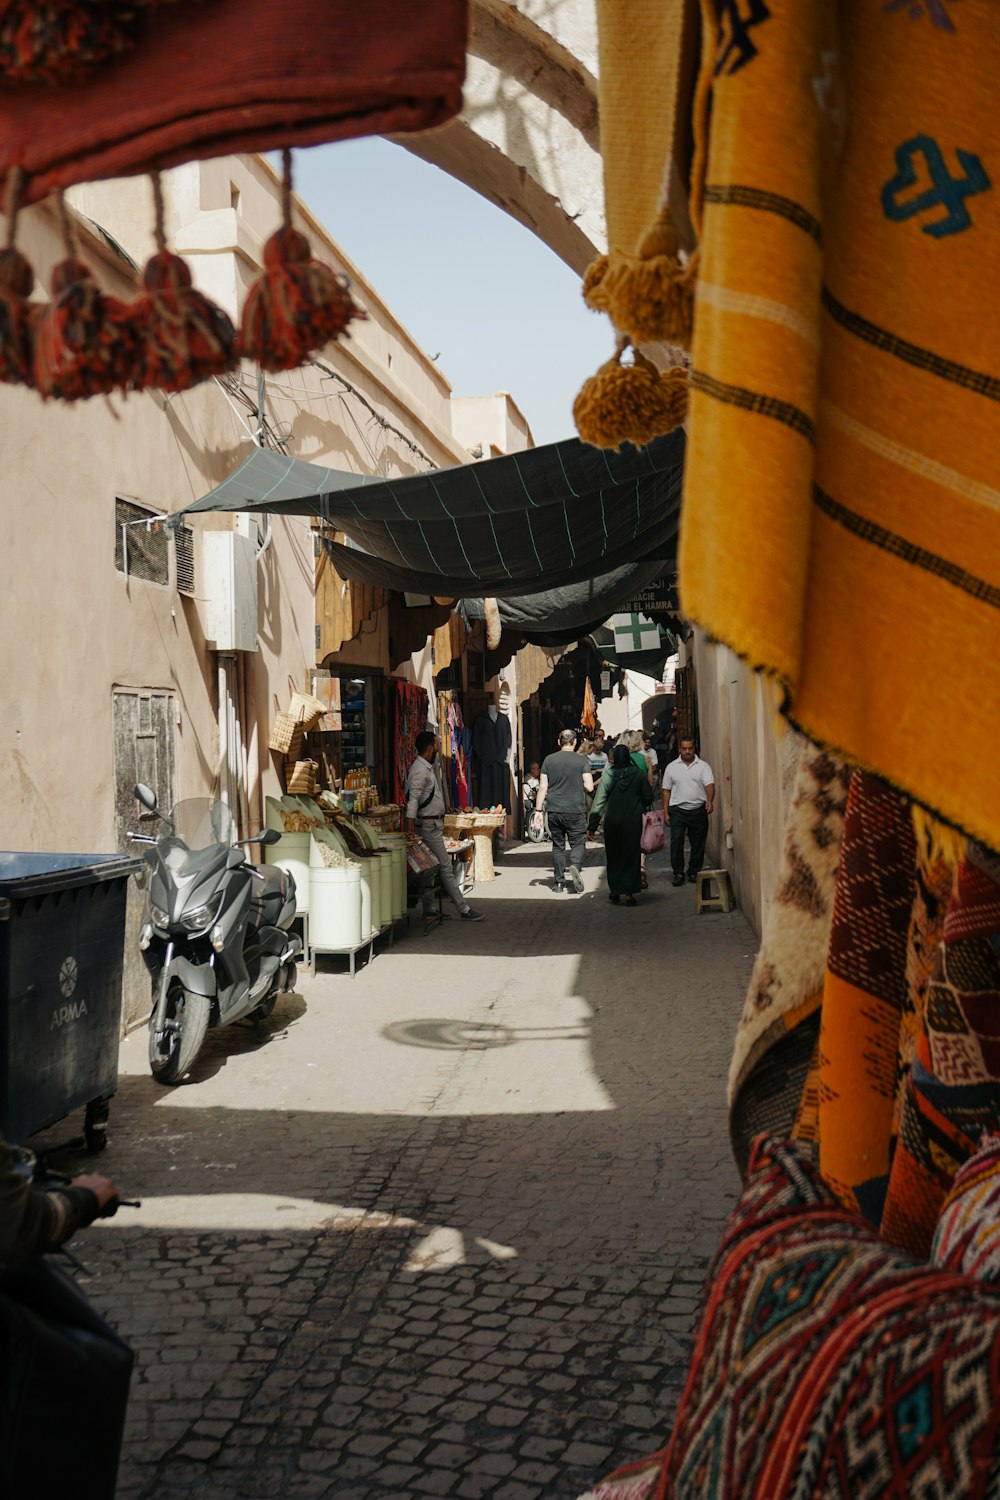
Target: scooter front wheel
x,y
172,1051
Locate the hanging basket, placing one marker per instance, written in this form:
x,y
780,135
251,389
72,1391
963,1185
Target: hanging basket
x,y
286,733
302,778
306,710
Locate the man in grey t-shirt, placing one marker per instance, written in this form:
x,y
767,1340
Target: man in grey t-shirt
x,y
564,783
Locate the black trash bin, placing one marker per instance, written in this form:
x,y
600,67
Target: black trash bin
x,y
60,988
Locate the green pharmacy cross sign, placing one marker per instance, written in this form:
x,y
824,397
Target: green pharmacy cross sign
x,y
634,632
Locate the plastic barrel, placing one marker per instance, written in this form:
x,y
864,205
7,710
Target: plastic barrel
x,y
396,845
383,859
291,852
371,880
367,879
335,916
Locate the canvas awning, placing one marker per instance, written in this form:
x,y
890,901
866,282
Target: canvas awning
x,y
556,616
520,524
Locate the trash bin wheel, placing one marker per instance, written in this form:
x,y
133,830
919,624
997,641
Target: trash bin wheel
x,y
95,1125
189,1015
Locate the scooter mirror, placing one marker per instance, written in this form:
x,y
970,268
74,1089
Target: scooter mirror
x,y
269,836
145,795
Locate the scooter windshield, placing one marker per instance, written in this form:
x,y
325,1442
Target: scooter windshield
x,y
198,823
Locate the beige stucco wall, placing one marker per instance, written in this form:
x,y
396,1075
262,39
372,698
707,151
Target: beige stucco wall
x,y
74,627
744,741
490,424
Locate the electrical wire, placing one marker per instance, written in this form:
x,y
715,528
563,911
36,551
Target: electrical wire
x,y
376,416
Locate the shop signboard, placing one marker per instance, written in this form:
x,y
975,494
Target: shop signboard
x,y
657,601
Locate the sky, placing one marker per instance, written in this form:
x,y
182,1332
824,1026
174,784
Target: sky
x,y
471,284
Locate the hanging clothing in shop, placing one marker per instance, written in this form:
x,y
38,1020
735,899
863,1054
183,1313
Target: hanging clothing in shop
x,y
447,756
410,715
491,742
461,742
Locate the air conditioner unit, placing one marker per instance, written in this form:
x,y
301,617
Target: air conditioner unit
x,y
229,562
184,560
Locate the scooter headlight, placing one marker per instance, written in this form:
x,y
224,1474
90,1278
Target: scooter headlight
x,y
199,916
158,916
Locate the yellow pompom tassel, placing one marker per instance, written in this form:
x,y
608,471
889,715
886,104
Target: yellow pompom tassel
x,y
630,403
650,296
594,289
941,841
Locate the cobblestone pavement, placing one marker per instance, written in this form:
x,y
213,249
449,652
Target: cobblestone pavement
x,y
444,1231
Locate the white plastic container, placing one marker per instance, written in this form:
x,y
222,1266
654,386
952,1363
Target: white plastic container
x,y
335,915
371,894
396,845
383,859
291,852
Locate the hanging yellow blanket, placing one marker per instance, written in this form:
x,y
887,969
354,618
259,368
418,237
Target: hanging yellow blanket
x,y
841,524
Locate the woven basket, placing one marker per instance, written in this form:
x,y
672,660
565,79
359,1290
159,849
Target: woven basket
x,y
306,710
286,735
302,778
470,821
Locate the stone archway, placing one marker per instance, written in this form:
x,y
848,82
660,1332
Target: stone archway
x,y
527,138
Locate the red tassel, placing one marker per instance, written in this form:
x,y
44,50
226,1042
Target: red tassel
x,y
17,318
17,315
183,337
298,305
85,343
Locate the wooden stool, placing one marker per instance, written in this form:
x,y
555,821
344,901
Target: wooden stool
x,y
703,901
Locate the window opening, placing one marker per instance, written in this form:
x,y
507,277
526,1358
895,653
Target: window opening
x,y
141,549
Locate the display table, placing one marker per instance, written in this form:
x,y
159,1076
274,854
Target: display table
x,y
480,826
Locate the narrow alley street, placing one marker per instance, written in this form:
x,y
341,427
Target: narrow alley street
x,y
443,1232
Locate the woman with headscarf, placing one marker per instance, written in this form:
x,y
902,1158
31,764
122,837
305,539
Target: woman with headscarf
x,y
622,797
634,742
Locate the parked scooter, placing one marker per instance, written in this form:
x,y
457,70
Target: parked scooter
x,y
215,934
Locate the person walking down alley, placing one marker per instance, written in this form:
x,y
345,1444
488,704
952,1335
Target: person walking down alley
x,y
623,796
565,782
425,811
688,798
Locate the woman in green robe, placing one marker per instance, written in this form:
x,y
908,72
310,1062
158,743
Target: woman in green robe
x,y
623,796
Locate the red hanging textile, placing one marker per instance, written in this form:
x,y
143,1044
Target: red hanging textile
x,y
239,75
411,718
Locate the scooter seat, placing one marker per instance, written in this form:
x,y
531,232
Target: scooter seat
x,y
269,895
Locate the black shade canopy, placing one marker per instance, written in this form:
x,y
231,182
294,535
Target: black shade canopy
x,y
523,523
553,617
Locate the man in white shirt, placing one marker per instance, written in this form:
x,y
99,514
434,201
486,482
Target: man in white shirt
x,y
425,817
688,799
